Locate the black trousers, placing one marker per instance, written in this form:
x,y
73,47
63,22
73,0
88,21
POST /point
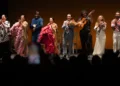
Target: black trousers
x,y
4,48
86,42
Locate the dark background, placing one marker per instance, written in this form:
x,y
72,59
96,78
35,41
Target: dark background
x,y
59,9
4,7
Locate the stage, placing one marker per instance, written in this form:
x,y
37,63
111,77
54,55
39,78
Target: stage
x,y
80,59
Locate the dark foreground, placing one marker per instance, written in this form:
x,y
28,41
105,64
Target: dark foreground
x,y
81,60
76,71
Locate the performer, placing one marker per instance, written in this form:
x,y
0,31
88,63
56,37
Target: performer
x,y
115,24
100,27
13,33
54,28
68,35
20,29
36,25
47,39
4,36
85,35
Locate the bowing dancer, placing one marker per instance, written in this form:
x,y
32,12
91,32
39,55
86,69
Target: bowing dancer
x,y
20,44
115,24
4,36
54,28
68,36
100,28
48,40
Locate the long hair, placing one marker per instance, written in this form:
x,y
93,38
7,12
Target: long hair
x,y
103,19
83,12
98,21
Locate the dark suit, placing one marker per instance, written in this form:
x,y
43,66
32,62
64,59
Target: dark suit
x,y
86,37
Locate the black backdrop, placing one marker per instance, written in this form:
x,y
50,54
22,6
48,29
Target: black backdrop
x,y
4,7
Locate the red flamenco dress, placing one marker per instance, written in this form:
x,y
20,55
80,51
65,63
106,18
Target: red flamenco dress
x,y
46,37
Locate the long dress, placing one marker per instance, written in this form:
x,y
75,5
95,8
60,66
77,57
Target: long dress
x,y
54,28
99,48
14,30
46,37
21,38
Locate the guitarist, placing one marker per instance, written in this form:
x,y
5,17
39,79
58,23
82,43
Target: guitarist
x,y
85,35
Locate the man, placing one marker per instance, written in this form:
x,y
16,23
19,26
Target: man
x,y
85,35
36,26
115,24
4,36
68,36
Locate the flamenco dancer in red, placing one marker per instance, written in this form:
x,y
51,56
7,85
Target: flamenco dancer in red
x,y
47,39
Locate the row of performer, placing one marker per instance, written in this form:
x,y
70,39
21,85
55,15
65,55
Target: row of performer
x,y
47,35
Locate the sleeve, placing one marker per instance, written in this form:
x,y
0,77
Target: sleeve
x,y
64,25
12,28
25,24
31,25
105,26
7,24
41,34
96,27
71,26
113,24
40,24
56,28
39,38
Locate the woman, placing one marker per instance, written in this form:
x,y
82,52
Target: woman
x,y
54,28
47,38
100,27
20,29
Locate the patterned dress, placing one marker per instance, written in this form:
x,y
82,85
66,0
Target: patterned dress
x,y
4,32
20,33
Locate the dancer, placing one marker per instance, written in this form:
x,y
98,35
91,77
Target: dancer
x,y
47,39
54,28
4,36
85,35
68,36
115,24
36,25
20,29
100,27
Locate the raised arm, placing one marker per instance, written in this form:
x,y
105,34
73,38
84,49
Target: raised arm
x,y
7,24
64,25
90,15
113,25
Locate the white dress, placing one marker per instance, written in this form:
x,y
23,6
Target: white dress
x,y
99,48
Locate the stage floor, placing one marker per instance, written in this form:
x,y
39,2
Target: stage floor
x,y
76,59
